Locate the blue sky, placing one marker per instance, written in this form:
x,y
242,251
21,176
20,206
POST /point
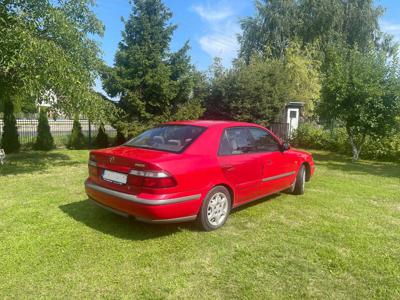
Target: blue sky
x,y
210,26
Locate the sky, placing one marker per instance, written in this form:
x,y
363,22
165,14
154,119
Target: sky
x,y
210,26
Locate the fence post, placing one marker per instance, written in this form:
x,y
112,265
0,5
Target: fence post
x,y
90,133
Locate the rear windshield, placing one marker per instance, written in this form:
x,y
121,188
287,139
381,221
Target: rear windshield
x,y
172,138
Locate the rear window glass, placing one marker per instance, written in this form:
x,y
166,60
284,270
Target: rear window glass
x,y
172,138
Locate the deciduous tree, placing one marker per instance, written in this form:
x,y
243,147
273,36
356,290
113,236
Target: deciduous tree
x,y
362,92
48,47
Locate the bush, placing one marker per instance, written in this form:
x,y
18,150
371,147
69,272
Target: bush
x,y
119,139
317,137
101,140
77,140
383,148
44,140
9,141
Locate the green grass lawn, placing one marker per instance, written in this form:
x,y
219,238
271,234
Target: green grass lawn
x,y
339,240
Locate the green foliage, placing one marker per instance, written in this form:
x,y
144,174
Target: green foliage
x,y
119,139
302,69
101,140
44,140
259,91
277,23
311,136
152,82
77,140
9,140
361,91
48,49
271,29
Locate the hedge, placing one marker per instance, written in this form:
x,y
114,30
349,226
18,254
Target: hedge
x,y
314,136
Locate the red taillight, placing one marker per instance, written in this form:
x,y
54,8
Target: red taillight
x,y
151,179
159,182
92,168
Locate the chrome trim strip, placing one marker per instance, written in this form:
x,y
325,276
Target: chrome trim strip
x,y
278,176
133,198
162,221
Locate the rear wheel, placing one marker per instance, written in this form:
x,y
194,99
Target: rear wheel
x,y
215,209
300,182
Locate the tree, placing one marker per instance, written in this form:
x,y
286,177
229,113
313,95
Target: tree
x,y
49,48
152,83
77,139
259,90
277,23
361,92
273,27
101,140
216,103
44,140
9,140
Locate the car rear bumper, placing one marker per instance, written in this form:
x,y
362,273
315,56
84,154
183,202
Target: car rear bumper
x,y
162,210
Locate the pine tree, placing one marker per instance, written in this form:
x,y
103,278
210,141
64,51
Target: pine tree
x,y
44,140
152,82
9,140
76,140
101,140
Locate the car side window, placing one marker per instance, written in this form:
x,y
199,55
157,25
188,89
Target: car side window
x,y
236,141
263,140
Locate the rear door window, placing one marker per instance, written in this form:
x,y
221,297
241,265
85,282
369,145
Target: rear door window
x,y
171,138
237,140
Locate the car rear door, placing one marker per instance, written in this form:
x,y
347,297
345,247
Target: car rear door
x,y
278,167
240,165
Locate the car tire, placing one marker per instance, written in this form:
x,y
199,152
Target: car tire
x,y
215,209
299,184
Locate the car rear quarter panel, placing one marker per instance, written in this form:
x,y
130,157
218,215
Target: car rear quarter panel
x,y
197,169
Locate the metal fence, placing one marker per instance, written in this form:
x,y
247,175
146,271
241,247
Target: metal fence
x,y
281,130
60,128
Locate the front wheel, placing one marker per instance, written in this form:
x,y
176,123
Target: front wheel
x,y
299,184
215,209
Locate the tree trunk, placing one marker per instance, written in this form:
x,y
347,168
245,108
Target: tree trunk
x,y
356,147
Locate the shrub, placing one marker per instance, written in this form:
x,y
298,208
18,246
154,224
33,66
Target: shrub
x,y
76,140
387,148
44,140
9,141
101,140
317,137
119,139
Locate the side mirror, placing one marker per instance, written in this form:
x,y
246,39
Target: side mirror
x,y
285,146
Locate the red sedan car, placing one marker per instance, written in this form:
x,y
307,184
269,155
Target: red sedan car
x,y
187,170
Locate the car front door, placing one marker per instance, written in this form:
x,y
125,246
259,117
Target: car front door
x,y
278,167
240,165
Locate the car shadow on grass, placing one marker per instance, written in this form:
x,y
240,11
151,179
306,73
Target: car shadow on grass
x,y
100,219
33,162
342,163
250,204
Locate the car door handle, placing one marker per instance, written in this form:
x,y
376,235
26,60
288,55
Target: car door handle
x,y
268,162
228,167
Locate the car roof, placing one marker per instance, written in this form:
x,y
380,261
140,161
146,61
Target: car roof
x,y
212,123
